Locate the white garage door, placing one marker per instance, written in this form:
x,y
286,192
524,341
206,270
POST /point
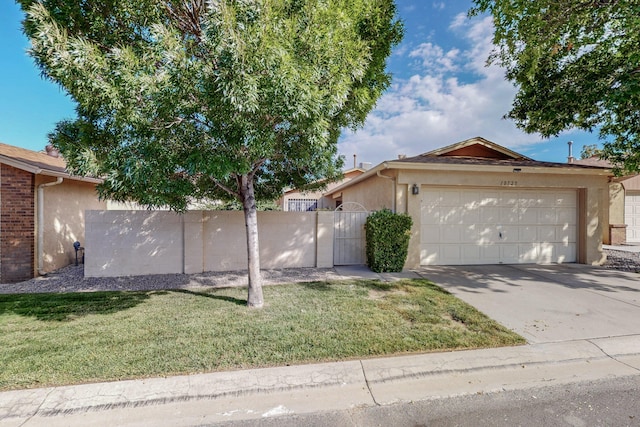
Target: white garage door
x,y
479,226
632,216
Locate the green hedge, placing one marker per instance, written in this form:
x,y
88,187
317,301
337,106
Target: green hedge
x,y
387,240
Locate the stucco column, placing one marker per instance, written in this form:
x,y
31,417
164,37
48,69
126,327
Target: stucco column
x,y
593,220
414,204
193,242
324,239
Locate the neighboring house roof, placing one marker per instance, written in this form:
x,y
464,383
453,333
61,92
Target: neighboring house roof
x,y
593,161
38,163
629,182
347,175
477,153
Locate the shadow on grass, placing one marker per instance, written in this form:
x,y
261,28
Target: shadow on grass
x,y
237,301
68,306
377,285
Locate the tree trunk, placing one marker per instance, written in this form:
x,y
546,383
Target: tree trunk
x,y
254,298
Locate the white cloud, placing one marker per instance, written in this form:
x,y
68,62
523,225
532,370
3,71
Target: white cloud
x,y
441,104
434,59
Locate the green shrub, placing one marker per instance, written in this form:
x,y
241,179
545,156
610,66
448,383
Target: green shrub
x,y
387,240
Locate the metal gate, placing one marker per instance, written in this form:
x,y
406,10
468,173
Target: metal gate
x,y
349,235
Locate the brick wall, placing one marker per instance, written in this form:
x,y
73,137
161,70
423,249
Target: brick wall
x,y
17,227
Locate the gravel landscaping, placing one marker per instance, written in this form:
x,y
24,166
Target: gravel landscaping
x,y
621,260
71,278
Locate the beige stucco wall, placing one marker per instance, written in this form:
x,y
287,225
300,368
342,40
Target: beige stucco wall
x,y
615,214
632,183
121,243
64,220
133,242
374,194
287,240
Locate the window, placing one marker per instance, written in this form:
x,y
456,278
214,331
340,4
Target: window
x,y
302,205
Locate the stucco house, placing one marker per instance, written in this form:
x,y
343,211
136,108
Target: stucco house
x,y
476,202
295,200
624,206
41,212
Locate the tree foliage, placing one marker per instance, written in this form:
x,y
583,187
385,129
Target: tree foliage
x,y
577,66
590,150
217,99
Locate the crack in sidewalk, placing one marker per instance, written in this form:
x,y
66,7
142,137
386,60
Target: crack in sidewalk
x,y
612,357
366,381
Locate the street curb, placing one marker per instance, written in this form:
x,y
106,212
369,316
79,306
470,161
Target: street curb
x,y
327,386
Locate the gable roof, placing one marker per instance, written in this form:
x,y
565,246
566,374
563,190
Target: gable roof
x,y
479,151
477,147
38,163
475,154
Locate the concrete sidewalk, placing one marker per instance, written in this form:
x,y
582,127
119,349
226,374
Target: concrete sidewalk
x,y
257,393
221,397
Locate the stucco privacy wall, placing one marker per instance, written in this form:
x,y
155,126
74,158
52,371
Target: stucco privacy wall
x,y
592,193
122,243
64,219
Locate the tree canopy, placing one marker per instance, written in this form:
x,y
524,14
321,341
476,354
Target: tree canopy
x,y
576,64
590,150
218,99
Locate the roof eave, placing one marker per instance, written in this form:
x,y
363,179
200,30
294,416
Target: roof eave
x,y
45,172
498,168
365,175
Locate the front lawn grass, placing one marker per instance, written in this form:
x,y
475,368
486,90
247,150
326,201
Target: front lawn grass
x,y
57,339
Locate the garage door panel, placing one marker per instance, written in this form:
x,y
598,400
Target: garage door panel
x,y
489,215
431,233
509,253
450,215
510,215
566,216
566,234
567,199
546,253
509,198
471,215
530,233
450,253
486,235
564,253
529,253
547,217
490,254
529,215
546,234
451,234
508,234
430,215
632,216
499,226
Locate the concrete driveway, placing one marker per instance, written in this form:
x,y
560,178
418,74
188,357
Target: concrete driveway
x,y
548,303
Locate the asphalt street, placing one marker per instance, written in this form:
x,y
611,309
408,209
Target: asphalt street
x,y
611,402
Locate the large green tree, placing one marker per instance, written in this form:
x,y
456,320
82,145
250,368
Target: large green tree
x,y
211,99
576,64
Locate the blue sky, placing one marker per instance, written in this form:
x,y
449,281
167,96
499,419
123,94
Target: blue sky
x,y
442,92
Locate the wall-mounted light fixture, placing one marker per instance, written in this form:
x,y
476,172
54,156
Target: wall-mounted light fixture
x,y
516,170
415,189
